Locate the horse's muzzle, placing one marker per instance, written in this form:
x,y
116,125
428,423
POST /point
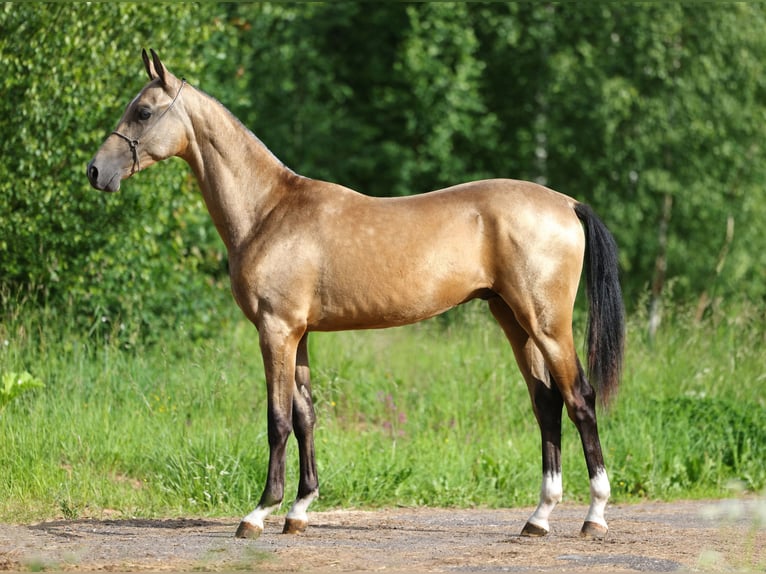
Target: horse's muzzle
x,y
96,178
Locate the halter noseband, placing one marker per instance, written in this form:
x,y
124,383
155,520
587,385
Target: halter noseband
x,y
133,143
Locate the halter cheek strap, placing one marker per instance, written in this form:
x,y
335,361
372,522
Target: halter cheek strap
x,y
133,143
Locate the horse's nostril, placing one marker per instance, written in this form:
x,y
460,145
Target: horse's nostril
x,y
92,173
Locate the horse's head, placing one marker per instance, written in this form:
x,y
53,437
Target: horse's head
x,y
150,130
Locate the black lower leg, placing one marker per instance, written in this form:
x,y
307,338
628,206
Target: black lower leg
x,y
548,407
583,414
303,412
279,431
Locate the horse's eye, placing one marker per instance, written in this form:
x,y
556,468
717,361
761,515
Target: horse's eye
x,y
144,113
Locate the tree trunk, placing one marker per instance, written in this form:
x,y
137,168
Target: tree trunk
x,y
660,267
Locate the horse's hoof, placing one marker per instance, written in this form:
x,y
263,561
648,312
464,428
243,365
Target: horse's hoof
x,y
294,526
593,530
533,530
247,530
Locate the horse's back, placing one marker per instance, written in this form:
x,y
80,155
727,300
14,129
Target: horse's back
x,y
509,203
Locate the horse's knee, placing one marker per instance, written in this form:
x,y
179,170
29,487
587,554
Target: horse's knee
x,y
280,426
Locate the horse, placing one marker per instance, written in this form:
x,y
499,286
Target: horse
x,y
308,255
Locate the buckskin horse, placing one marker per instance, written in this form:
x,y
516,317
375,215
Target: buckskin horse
x,y
308,255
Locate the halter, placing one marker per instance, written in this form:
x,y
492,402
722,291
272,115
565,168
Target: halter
x,y
133,143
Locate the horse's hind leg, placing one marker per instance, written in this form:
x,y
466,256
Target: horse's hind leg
x,y
579,397
304,418
581,407
547,404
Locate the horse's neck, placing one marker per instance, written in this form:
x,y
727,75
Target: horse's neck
x,y
239,177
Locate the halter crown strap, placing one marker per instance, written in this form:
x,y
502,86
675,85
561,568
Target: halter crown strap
x,y
133,143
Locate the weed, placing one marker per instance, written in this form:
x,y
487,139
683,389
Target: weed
x,y
69,510
13,385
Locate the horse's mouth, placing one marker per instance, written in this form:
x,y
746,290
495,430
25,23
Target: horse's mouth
x,y
113,184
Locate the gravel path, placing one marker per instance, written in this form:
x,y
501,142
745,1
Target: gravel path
x,y
649,537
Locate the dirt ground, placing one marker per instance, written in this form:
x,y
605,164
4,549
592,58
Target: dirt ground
x,y
708,536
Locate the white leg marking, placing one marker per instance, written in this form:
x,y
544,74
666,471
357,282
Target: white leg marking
x,y
300,506
257,516
599,496
551,493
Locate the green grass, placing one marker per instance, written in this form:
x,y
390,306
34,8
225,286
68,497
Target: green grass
x,y
433,414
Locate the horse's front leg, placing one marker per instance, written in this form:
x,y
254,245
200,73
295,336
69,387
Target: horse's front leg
x,y
278,347
304,419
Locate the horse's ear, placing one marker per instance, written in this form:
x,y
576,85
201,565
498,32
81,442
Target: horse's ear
x,y
158,67
147,64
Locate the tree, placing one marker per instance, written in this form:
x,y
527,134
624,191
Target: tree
x,y
671,99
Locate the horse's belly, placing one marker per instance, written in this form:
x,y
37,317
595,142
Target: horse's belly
x,y
393,296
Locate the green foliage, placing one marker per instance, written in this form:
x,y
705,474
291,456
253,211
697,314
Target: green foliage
x,y
703,441
14,385
690,412
667,99
620,105
126,262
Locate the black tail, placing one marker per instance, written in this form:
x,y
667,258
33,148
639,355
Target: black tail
x,y
606,317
